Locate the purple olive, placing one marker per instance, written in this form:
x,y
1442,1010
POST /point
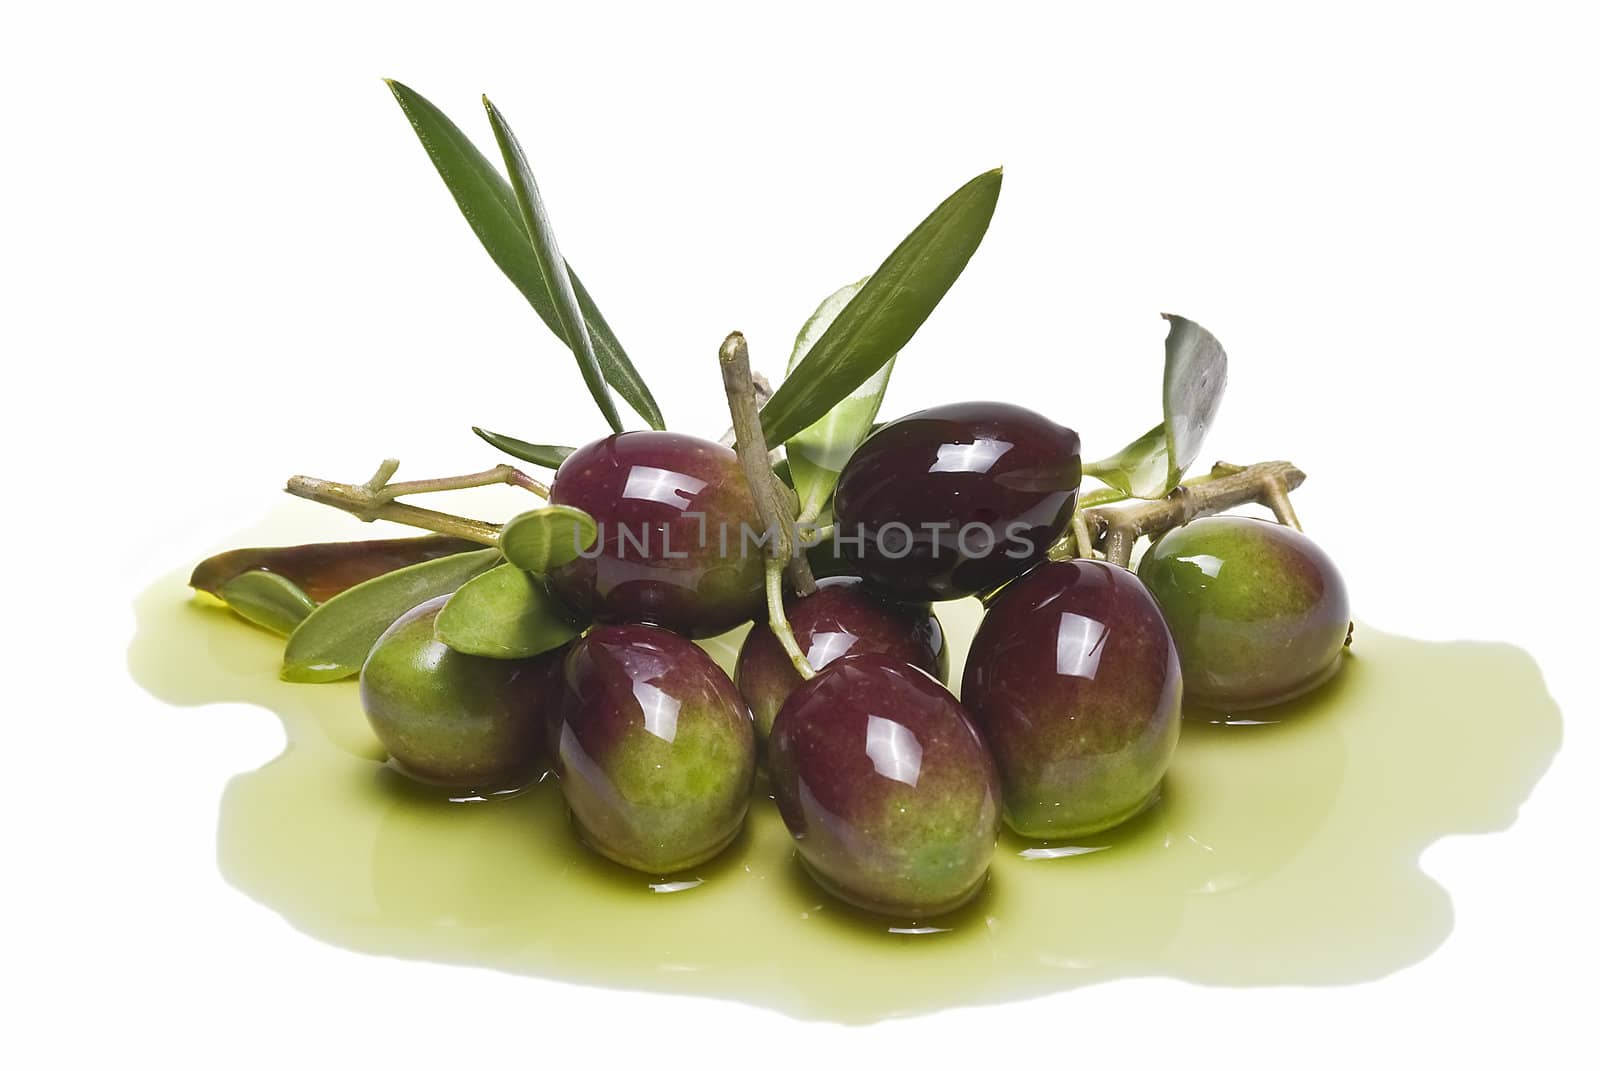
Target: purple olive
x,y
1074,681
654,749
844,616
677,534
886,786
956,500
453,719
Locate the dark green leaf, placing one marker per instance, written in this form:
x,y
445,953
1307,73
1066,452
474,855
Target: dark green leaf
x,y
543,539
536,221
333,642
505,613
490,208
882,317
817,454
549,457
322,570
268,600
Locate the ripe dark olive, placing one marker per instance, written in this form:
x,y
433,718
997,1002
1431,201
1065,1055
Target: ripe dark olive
x,y
888,790
844,616
453,719
957,499
1258,611
654,750
1075,683
677,536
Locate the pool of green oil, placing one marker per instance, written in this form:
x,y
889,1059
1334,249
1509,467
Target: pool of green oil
x,y
1282,851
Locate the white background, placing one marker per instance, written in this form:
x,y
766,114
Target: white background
x,y
226,259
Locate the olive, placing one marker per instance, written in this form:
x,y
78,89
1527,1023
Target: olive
x,y
843,616
453,719
1259,612
678,534
956,500
654,749
1074,681
886,787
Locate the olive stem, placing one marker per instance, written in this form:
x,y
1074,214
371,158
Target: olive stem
x,y
375,499
506,474
773,503
1224,487
385,473
772,498
366,505
763,391
1083,542
778,621
1101,496
1277,500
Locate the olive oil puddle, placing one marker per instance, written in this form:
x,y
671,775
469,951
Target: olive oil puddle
x,y
1279,853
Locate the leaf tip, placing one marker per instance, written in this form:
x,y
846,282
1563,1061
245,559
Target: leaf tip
x,y
299,673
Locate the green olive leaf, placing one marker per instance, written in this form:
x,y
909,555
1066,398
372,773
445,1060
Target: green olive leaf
x,y
891,305
1140,469
1192,385
504,613
334,641
536,221
268,600
1191,390
784,473
817,454
322,570
546,538
549,457
492,211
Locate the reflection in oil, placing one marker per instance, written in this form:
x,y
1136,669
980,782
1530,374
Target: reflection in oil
x,y
1279,853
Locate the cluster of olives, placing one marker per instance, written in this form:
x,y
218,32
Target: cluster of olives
x,y
893,789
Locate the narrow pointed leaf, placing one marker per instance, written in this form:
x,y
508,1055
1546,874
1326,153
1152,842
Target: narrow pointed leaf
x,y
504,613
818,453
889,308
619,371
536,221
1192,385
549,457
333,642
546,538
490,207
322,570
268,600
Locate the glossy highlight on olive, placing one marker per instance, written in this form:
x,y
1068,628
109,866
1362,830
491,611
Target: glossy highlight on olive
x,y
654,750
886,787
843,616
957,499
677,531
1074,681
1259,612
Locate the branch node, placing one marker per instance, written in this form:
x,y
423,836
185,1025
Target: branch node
x,y
1117,528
